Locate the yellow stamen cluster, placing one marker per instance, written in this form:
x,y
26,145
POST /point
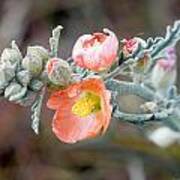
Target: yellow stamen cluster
x,y
87,104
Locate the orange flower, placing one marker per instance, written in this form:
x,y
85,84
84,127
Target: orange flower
x,y
83,110
96,51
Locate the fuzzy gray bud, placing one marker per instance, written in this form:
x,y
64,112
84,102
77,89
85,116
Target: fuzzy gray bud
x,y
35,59
11,56
59,72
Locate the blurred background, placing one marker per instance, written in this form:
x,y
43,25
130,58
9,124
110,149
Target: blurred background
x,y
123,153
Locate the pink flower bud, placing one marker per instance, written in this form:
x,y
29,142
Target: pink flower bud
x,y
164,72
131,45
96,51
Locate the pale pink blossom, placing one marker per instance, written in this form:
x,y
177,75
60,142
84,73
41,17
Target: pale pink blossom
x,y
96,51
164,73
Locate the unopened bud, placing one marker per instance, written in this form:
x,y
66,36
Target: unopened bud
x,y
34,60
164,76
39,51
59,72
131,45
11,56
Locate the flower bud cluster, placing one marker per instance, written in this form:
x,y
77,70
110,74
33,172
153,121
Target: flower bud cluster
x,y
19,77
81,85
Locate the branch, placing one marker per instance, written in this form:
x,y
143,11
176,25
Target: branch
x,y
36,111
123,88
140,118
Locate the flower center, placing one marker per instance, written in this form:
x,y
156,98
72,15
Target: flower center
x,y
89,103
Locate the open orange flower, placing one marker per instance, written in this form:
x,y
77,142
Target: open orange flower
x,y
83,110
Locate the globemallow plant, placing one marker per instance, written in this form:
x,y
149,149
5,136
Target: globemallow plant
x,y
85,89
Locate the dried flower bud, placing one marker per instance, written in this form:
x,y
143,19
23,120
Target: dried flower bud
x,y
59,72
35,58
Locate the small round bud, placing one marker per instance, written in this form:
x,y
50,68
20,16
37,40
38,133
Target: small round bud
x,y
32,64
40,52
11,56
35,58
131,45
59,72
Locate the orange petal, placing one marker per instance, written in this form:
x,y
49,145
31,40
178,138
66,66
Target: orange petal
x,y
54,100
70,128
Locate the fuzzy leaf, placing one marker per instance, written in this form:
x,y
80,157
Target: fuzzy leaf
x,y
36,111
140,118
54,41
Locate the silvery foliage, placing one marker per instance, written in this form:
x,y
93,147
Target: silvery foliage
x,y
18,83
23,80
167,108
